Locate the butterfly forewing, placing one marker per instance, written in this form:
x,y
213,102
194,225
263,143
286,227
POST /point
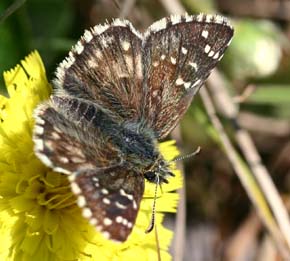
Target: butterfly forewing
x,y
105,67
178,55
110,199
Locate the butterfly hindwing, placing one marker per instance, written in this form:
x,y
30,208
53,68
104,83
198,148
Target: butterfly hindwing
x,y
65,136
110,199
178,54
68,138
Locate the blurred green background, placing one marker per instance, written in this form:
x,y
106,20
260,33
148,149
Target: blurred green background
x,y
218,208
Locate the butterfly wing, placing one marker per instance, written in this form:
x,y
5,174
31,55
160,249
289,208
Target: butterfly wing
x,y
110,199
105,67
69,135
150,77
178,55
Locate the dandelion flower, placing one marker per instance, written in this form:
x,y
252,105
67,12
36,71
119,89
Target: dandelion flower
x,y
39,218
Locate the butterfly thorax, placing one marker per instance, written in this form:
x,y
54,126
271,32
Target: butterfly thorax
x,y
139,148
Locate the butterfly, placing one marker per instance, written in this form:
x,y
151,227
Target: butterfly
x,y
115,96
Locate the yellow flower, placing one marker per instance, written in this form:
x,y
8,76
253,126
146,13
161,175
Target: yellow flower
x,y
39,219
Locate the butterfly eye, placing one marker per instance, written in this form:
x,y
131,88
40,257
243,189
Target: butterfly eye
x,y
150,176
161,164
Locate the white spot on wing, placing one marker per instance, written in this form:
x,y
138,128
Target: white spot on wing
x,y
119,219
106,234
184,50
107,222
155,64
179,81
93,221
87,213
81,201
173,60
76,159
88,36
123,193
162,56
193,65
105,191
155,93
62,170
106,201
75,188
134,204
125,45
211,53
119,205
129,225
207,48
63,159
216,56
55,135
204,34
187,85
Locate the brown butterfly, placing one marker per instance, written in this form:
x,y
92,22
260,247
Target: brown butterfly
x,y
116,94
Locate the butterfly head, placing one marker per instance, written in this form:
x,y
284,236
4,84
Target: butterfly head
x,y
158,172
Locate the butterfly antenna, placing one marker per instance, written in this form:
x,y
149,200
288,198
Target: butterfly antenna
x,y
188,155
152,222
